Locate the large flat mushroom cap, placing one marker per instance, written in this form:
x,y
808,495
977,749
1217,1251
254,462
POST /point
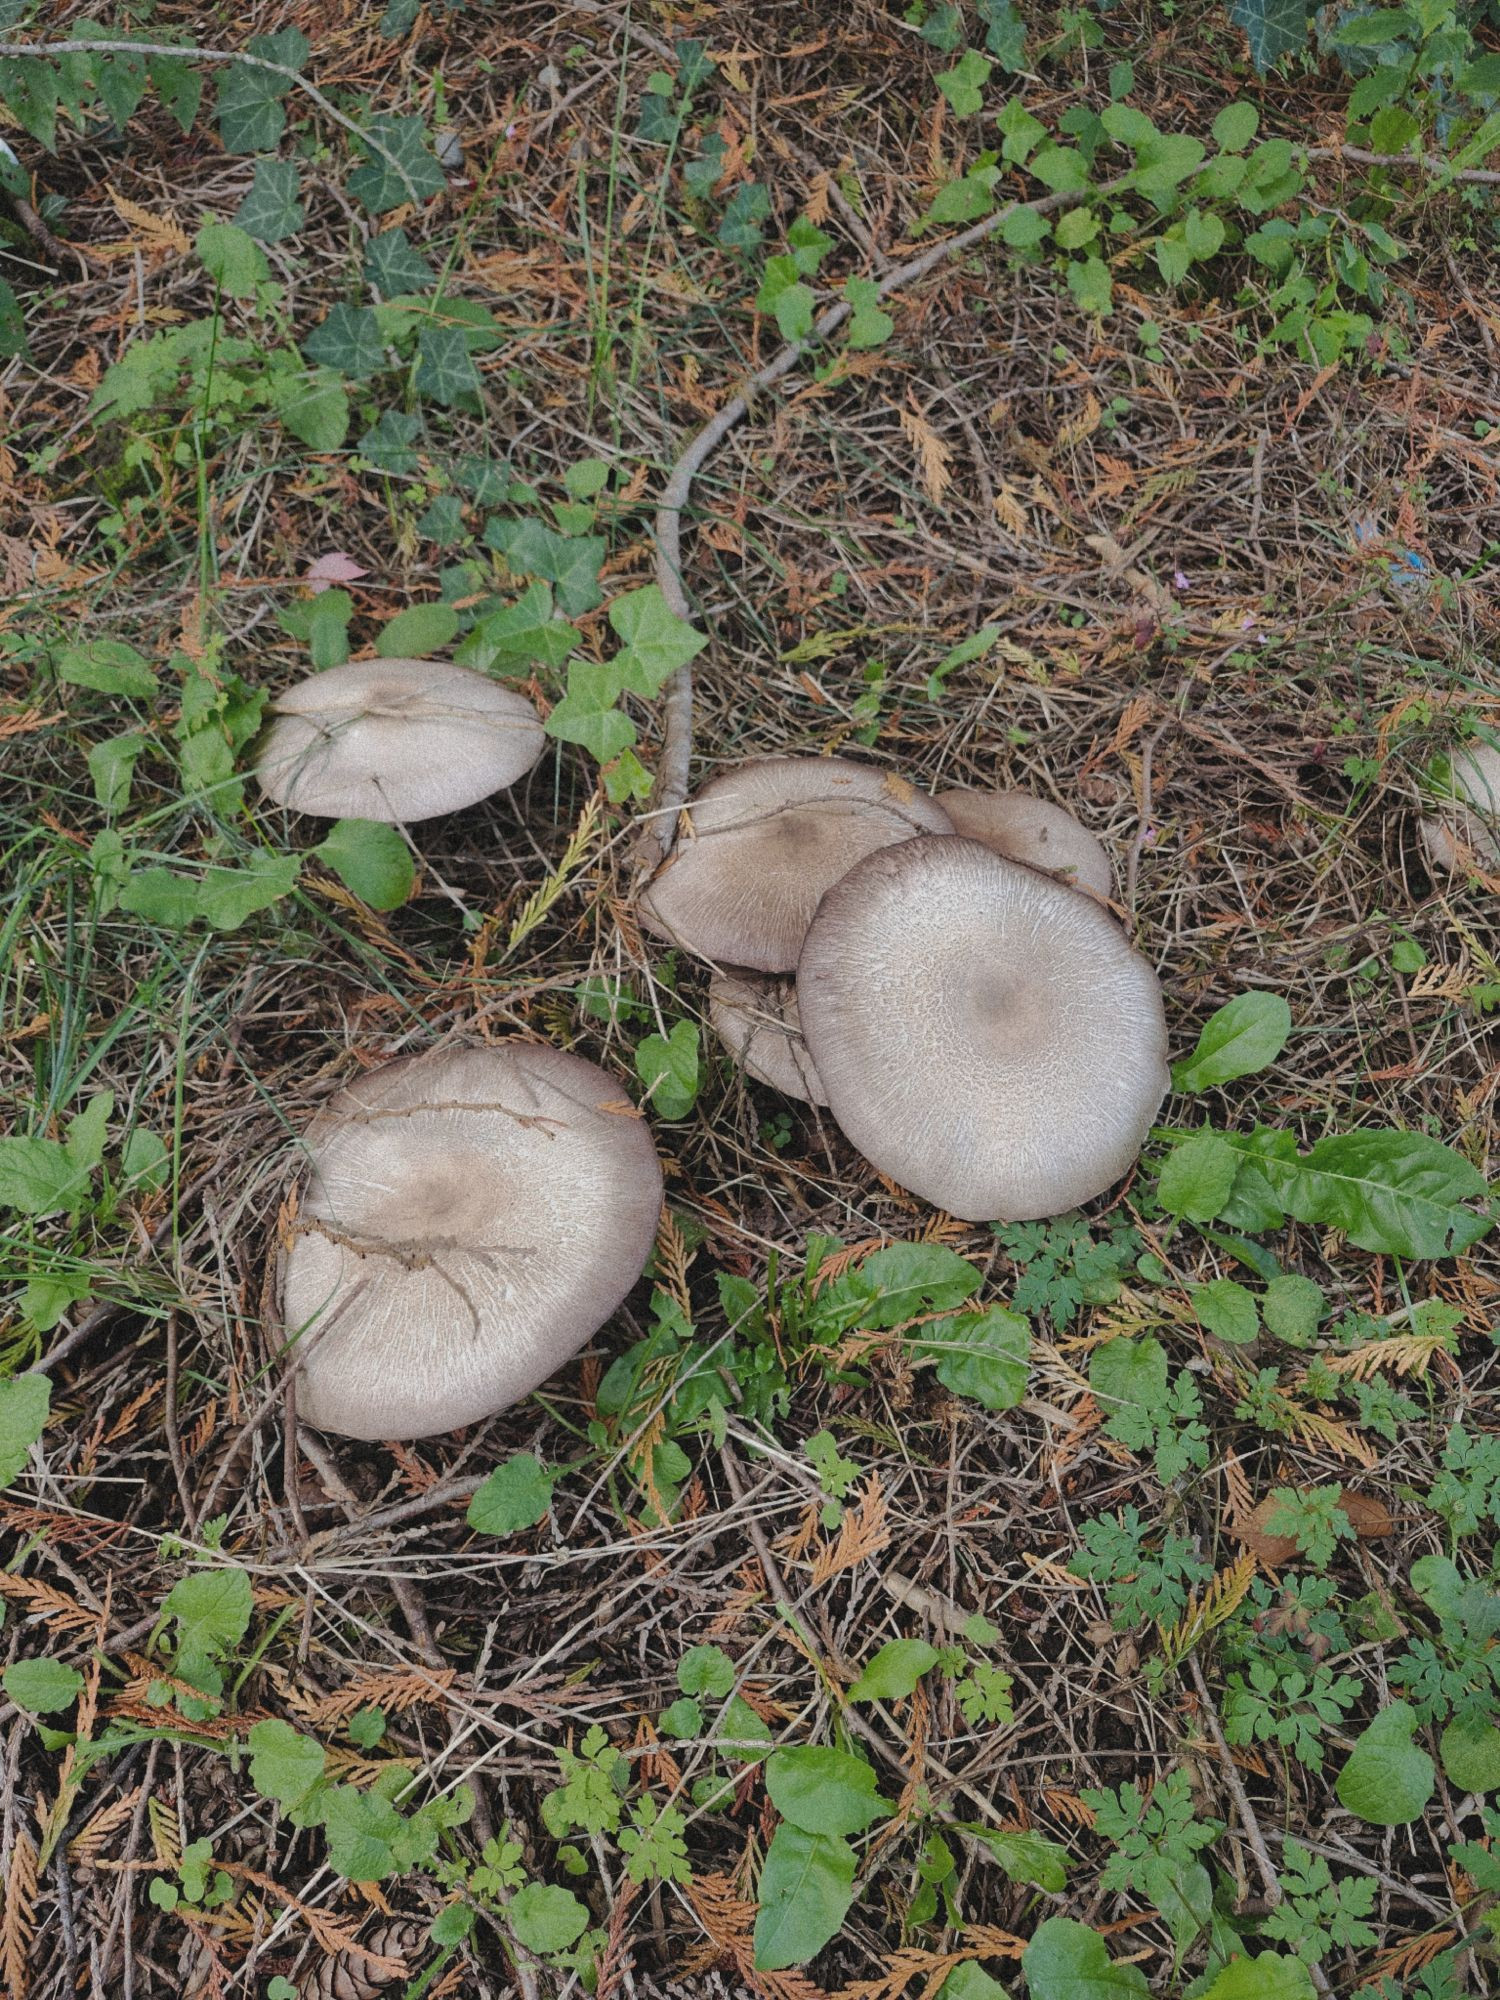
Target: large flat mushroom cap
x,y
755,1017
986,1036
472,1216
1025,828
1471,817
395,740
767,840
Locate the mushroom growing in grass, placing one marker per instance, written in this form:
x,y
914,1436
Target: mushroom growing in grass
x,y
471,1218
1469,814
1033,830
985,1035
755,1017
764,843
395,740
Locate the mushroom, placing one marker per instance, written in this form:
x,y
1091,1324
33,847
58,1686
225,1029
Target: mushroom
x,y
755,1017
1025,828
395,740
986,1036
1470,813
764,843
471,1217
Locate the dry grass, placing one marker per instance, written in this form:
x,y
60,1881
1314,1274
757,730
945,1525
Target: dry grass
x,y
1187,561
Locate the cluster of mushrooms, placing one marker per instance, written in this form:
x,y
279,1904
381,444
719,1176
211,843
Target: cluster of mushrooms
x,y
945,976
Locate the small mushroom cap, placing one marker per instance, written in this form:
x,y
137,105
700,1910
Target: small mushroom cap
x,y
1025,828
471,1217
755,1017
766,841
1471,817
986,1036
395,740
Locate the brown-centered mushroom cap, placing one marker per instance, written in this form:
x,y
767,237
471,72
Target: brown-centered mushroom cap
x,y
755,1017
986,1036
395,740
1025,828
1471,818
471,1217
766,841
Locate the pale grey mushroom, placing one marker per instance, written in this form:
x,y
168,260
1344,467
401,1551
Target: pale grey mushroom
x,y
755,1017
762,845
1469,817
986,1036
395,740
1025,828
471,1218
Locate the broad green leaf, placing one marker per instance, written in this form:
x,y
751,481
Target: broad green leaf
x,y
12,325
546,1919
1025,1856
1235,126
1292,1307
145,1161
111,767
1374,30
967,199
1203,233
1225,1308
403,170
212,1608
1197,1176
417,632
894,1672
349,340
971,1982
323,623
1091,285
1129,126
963,85
1023,131
896,1284
1126,1375
284,1764
24,1403
1173,258
1470,1750
587,478
1387,1780
980,1355
587,713
1068,1961
371,860
1245,1035
39,1177
705,1670
869,325
824,1791
221,897
272,210
85,1141
110,667
657,642
668,1066
232,258
1024,229
516,1495
974,647
1274,28
1399,1193
1075,228
313,406
1269,1975
806,1887
42,1687
519,634
1063,169
1166,162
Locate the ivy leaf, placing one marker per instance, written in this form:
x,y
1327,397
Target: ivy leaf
x,y
1245,1035
350,341
108,666
516,1495
1068,1961
587,713
981,1355
657,642
1274,28
393,267
249,107
445,372
42,1687
24,1403
894,1671
232,258
546,1919
668,1066
869,325
371,860
416,632
570,562
410,173
806,1887
824,1791
272,210
963,85
518,634
1387,1780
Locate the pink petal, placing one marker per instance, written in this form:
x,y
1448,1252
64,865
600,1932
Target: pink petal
x,y
333,568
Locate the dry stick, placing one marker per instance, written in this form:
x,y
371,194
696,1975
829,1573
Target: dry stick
x,y
190,52
1246,1812
660,829
1486,177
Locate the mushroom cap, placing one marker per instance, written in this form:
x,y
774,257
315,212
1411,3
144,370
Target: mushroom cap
x,y
471,1217
767,840
1025,828
395,740
1471,817
986,1036
755,1017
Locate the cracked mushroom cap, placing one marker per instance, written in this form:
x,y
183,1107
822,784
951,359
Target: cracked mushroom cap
x,y
765,841
986,1036
1470,818
395,740
755,1017
1025,828
471,1217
